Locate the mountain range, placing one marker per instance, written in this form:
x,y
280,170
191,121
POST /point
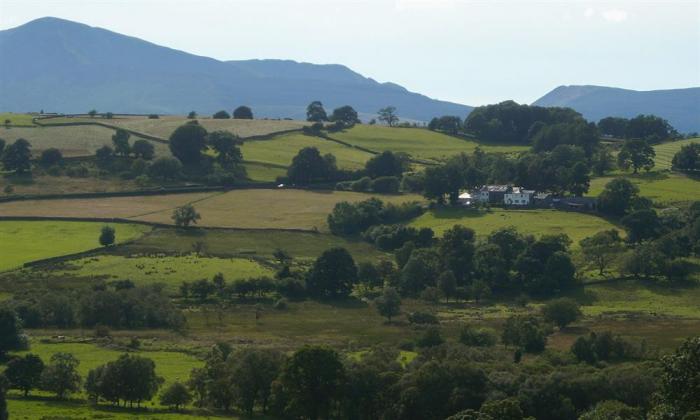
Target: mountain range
x,y
681,107
63,66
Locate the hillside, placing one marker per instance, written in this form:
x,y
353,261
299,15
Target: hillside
x,y
97,68
681,107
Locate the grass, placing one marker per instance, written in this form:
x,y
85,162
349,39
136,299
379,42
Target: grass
x,y
281,149
666,151
256,243
16,119
28,241
46,184
419,143
252,208
537,222
662,187
70,140
168,270
164,126
263,172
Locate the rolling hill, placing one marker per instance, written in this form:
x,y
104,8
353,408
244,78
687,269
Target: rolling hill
x,y
64,66
681,107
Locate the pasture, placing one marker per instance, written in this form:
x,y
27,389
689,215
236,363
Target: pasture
x,y
417,142
662,187
72,141
16,119
253,208
281,149
666,151
22,241
168,270
164,126
535,222
46,184
262,172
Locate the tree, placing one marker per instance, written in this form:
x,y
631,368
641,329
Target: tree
x,y
617,197
309,166
345,115
175,395
479,290
165,169
389,303
2,145
130,378
447,283
92,113
312,380
51,157
386,163
17,157
602,248
61,376
525,333
225,144
507,409
143,149
192,115
333,274
24,373
649,127
641,225
107,236
561,312
187,142
388,115
477,337
11,334
613,126
687,159
579,179
104,156
243,113
221,115
636,153
617,410
3,402
315,112
252,373
185,215
680,386
120,141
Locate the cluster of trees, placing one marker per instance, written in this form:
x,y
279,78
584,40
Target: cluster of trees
x,y
651,128
352,218
343,117
119,304
241,113
16,156
687,159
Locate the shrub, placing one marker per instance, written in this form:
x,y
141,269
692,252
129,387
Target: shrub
x,y
386,184
477,337
422,318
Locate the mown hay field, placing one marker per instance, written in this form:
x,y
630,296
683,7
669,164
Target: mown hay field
x,y
254,208
70,140
164,126
419,143
666,151
662,187
281,149
24,241
536,222
168,270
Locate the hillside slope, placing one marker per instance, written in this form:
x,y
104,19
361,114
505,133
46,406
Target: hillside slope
x,y
63,66
681,107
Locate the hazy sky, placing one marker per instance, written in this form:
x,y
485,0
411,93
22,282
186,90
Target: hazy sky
x,y
473,52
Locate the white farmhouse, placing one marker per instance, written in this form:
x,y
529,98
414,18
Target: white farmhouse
x,y
518,196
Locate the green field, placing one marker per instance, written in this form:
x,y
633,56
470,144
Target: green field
x,y
419,143
281,149
28,241
164,126
537,222
666,151
263,172
168,270
662,187
16,119
251,208
301,245
70,140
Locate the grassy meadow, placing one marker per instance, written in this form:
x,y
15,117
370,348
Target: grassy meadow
x,y
28,241
16,119
666,151
662,187
168,270
281,149
537,222
419,143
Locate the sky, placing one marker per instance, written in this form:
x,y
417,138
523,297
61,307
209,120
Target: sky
x,y
466,51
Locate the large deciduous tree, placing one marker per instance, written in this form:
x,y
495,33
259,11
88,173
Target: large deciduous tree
x,y
243,113
188,141
345,115
333,274
636,153
309,166
17,157
61,375
225,144
388,115
11,333
24,373
315,112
